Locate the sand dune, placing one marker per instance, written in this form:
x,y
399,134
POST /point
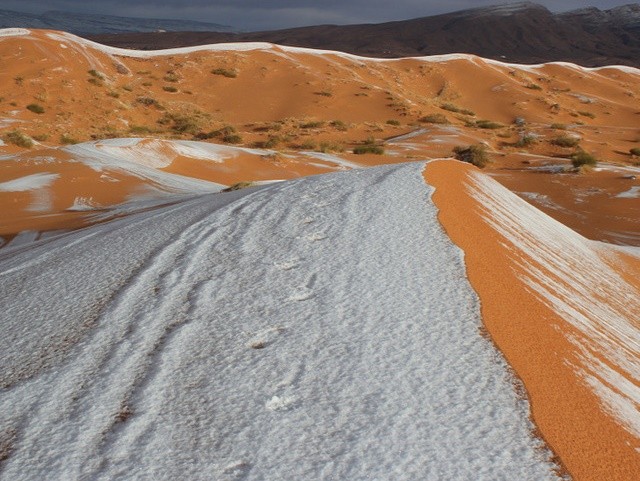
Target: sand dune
x,y
290,100
135,308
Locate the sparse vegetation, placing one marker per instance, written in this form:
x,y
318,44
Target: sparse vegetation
x,y
533,86
18,80
224,72
558,127
40,137
473,154
238,186
113,94
434,119
312,125
587,114
66,139
395,123
635,151
169,88
36,108
140,130
526,140
326,147
456,109
565,141
184,123
339,125
324,93
19,138
95,81
488,124
96,74
148,101
582,159
369,147
171,77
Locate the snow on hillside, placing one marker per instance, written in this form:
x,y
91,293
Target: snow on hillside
x,y
574,276
246,336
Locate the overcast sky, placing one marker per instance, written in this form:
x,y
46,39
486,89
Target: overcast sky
x,y
273,14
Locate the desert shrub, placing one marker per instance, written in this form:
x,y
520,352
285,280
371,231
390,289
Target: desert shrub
x,y
558,127
147,101
36,108
488,124
66,139
565,141
330,147
582,158
434,119
533,86
587,114
473,154
635,151
338,125
395,123
169,88
139,129
456,109
147,84
308,145
272,142
232,139
182,123
324,93
238,186
18,80
369,147
526,141
40,137
171,77
113,94
312,125
95,81
224,72
128,88
96,74
17,137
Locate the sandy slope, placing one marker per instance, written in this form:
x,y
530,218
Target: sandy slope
x,y
290,100
250,337
563,310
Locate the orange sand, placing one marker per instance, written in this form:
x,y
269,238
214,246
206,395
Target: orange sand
x,y
588,442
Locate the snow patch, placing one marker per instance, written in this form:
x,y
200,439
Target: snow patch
x,y
29,182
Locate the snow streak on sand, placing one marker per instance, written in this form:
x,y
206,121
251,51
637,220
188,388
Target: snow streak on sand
x,y
574,276
321,328
29,182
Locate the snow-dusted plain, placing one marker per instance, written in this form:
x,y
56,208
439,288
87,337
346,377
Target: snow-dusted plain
x,y
321,328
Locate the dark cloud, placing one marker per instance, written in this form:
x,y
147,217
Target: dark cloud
x,y
272,14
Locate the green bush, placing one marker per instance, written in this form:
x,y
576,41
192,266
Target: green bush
x,y
369,147
16,137
473,154
36,108
526,141
434,119
565,141
456,109
224,72
582,158
488,124
66,139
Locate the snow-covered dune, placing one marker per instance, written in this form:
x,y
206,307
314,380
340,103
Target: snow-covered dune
x,y
246,336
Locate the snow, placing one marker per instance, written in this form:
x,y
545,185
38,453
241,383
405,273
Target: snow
x,y
574,277
333,159
632,193
28,182
278,49
142,160
247,336
14,32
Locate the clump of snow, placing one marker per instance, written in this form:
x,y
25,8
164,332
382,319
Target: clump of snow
x,y
82,204
632,193
28,182
134,362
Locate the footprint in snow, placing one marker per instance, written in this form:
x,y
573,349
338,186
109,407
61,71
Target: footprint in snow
x,y
287,265
301,294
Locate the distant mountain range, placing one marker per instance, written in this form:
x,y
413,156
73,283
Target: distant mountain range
x,y
523,32
83,24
